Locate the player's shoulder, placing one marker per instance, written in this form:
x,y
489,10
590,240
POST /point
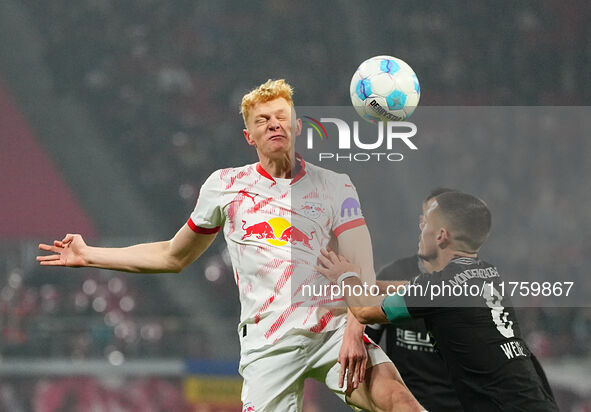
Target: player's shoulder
x,y
237,171
401,269
466,262
327,175
231,173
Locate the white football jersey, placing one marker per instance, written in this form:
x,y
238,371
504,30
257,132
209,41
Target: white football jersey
x,y
274,229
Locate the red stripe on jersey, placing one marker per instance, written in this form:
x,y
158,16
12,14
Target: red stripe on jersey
x,y
307,281
302,170
312,195
264,173
257,317
269,267
349,225
368,341
260,205
278,286
322,323
316,304
233,179
202,230
281,320
321,301
264,248
311,310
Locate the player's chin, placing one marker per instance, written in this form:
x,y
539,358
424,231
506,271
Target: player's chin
x,y
279,145
426,257
278,150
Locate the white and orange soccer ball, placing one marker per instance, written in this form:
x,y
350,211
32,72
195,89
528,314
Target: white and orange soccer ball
x,y
385,88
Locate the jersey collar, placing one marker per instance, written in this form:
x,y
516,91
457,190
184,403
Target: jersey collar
x,y
465,260
300,167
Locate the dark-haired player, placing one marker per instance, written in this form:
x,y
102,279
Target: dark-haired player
x,y
409,344
477,334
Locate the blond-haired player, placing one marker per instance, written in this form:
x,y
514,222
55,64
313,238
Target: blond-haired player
x,y
276,216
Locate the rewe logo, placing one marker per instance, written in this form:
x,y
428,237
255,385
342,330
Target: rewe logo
x,y
387,134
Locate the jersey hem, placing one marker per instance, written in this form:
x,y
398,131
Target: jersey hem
x,y
202,230
349,225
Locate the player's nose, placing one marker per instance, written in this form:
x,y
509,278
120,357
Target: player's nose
x,y
274,124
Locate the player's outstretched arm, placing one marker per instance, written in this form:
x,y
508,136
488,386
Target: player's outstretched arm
x,y
169,256
365,308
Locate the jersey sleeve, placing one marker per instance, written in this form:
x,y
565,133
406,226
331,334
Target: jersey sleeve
x,y
207,216
346,206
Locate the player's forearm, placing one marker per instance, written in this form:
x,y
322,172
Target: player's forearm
x,y
365,307
354,327
142,258
388,287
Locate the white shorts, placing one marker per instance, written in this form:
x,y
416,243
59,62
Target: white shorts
x,y
274,375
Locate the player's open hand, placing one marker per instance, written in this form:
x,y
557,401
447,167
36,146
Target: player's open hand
x,y
353,359
332,265
67,252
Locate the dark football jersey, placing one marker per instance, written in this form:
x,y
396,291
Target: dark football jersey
x,y
477,334
409,346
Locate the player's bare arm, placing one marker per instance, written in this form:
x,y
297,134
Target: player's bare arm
x,y
366,309
169,256
388,286
356,245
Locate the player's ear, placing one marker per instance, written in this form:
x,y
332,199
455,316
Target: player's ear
x,y
443,237
248,138
298,127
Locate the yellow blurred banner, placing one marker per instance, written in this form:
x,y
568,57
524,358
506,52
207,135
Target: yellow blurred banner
x,y
213,390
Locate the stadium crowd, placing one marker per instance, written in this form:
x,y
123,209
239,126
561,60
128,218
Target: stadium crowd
x,y
90,316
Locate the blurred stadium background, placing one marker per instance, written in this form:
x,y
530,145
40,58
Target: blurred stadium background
x,y
112,114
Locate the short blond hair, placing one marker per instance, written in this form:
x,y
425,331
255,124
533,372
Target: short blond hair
x,y
270,90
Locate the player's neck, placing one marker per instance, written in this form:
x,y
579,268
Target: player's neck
x,y
445,256
280,167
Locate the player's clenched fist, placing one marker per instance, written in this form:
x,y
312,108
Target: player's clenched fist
x,y
67,252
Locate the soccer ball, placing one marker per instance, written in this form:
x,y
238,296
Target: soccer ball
x,y
384,88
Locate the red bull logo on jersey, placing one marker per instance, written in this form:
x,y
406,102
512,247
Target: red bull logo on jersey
x,y
293,235
277,231
261,230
